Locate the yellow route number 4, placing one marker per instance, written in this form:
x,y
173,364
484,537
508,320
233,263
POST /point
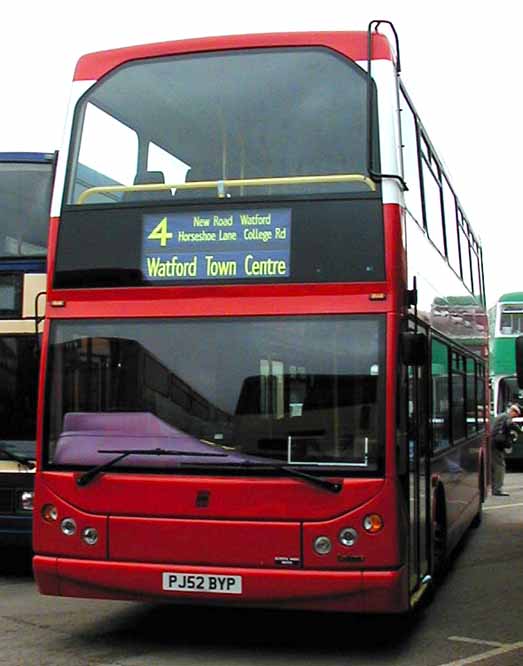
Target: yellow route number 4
x,y
161,233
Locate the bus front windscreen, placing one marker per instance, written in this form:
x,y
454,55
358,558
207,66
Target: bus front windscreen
x,y
25,194
220,116
224,392
511,319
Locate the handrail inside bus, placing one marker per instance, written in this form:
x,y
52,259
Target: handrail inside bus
x,y
222,185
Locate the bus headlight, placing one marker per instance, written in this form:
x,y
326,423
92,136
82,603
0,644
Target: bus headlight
x,y
25,500
68,526
348,536
90,536
322,545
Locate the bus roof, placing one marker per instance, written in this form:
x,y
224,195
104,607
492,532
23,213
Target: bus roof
x,y
512,297
353,44
26,157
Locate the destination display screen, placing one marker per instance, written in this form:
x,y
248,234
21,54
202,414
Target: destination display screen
x,y
217,244
299,241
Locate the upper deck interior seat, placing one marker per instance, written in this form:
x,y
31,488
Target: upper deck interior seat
x,y
148,178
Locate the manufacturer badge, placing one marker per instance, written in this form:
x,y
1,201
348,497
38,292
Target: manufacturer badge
x,y
287,561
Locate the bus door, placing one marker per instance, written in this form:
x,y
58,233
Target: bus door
x,y
419,491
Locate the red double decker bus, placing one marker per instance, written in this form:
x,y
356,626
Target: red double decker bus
x,y
250,393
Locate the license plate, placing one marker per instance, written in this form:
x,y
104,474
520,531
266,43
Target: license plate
x,y
178,581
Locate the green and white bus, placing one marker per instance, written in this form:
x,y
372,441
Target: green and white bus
x,y
505,325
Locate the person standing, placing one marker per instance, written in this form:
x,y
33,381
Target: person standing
x,y
501,439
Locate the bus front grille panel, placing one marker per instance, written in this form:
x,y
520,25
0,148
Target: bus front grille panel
x,y
7,496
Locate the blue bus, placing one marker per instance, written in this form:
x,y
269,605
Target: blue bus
x,y
25,192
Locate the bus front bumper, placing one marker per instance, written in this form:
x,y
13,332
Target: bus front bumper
x,y
347,591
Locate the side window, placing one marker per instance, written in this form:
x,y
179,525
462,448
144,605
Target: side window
x,y
108,155
451,228
481,274
475,271
11,286
465,251
410,161
472,402
433,215
480,397
425,151
458,397
440,396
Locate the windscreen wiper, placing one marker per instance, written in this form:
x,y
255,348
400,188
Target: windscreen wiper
x,y
92,473
20,459
331,486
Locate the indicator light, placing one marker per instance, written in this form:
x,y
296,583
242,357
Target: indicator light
x,y
373,523
49,513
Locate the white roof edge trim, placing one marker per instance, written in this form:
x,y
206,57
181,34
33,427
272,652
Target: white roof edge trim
x,y
386,79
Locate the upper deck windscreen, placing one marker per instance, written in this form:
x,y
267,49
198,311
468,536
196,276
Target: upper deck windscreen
x,y
510,319
243,114
25,192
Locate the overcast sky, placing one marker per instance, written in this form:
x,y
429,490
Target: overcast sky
x,y
461,64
